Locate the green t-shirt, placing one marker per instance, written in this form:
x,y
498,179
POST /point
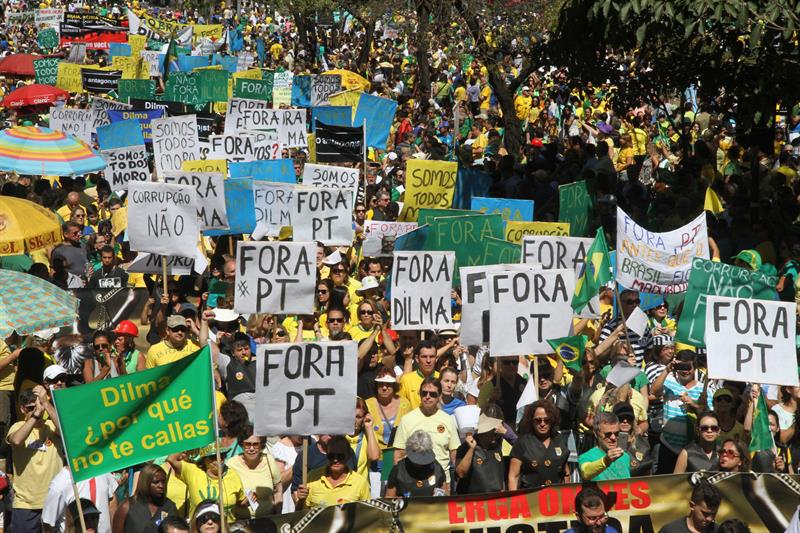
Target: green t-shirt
x,y
619,469
637,383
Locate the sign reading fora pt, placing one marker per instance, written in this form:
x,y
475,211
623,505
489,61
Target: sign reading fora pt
x,y
137,417
309,388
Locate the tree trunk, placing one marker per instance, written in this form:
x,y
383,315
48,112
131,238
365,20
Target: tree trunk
x,y
422,86
369,35
512,137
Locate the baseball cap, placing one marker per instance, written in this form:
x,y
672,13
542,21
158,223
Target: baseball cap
x,y
53,371
225,315
176,321
624,410
751,257
722,392
334,259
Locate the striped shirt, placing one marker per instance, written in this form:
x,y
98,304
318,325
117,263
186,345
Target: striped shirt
x,y
639,344
678,425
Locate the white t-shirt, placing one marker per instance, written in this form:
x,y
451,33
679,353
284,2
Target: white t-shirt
x,y
60,495
785,418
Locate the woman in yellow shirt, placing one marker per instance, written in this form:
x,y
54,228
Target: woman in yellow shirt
x,y
260,476
338,485
363,441
625,154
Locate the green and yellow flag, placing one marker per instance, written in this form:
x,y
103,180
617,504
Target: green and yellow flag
x,y
570,350
596,272
116,423
760,436
712,202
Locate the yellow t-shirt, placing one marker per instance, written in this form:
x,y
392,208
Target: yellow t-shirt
x,y
6,374
522,106
358,333
65,212
262,479
176,489
409,386
35,464
363,460
321,493
378,422
460,94
440,426
162,353
486,96
276,50
201,487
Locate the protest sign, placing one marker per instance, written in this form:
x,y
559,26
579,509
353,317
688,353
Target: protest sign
x,y
154,60
711,278
338,144
330,176
182,87
77,122
427,214
145,118
137,88
120,134
323,86
126,164
137,417
238,207
575,207
275,277
509,208
323,215
428,184
516,230
162,218
380,236
421,285
245,146
378,112
534,305
210,189
465,236
475,301
146,263
174,141
46,70
555,252
69,76
47,38
100,81
280,170
253,89
104,104
282,88
50,17
309,386
212,85
301,91
274,205
290,124
332,116
658,263
751,341
206,165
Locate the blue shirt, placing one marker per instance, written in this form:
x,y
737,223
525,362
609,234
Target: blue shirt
x,y
452,405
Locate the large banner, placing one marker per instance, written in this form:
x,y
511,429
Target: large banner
x,y
658,263
137,417
713,278
765,502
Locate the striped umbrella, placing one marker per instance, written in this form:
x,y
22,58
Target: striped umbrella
x,y
44,152
29,304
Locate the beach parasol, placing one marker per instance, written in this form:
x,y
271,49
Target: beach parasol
x,y
18,65
45,152
26,226
29,304
35,94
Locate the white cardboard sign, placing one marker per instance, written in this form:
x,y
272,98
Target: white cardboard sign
x,y
421,285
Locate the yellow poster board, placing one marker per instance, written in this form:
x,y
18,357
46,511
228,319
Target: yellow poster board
x,y
428,184
517,229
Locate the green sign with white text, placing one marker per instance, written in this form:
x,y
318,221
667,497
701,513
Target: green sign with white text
x,y
116,423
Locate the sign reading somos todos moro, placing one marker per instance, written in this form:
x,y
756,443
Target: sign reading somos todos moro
x,y
751,340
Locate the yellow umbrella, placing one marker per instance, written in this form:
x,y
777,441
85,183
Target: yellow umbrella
x,y
351,80
26,226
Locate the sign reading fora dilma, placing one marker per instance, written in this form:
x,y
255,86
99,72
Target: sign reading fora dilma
x,y
421,285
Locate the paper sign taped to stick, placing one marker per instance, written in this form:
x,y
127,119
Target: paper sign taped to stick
x,y
175,140
151,264
658,263
527,308
245,147
162,219
380,236
125,165
323,86
428,184
475,302
274,205
245,114
210,189
751,340
78,122
310,388
421,285
323,215
330,176
275,277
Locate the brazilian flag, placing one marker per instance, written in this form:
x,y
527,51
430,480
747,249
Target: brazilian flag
x,y
761,437
570,350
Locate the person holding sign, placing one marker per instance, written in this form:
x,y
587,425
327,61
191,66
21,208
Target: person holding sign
x,y
149,507
410,383
338,485
175,346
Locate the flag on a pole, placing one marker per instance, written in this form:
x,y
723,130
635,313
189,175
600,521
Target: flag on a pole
x,y
595,273
760,435
712,202
570,350
170,59
339,144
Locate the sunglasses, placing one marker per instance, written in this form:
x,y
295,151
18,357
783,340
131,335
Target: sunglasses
x,y
101,346
609,434
712,429
280,333
179,329
322,291
728,453
431,393
541,420
365,311
361,210
627,419
332,320
336,457
661,306
207,517
251,445
62,378
723,399
631,302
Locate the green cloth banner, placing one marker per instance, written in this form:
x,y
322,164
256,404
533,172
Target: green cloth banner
x,y
183,87
465,236
46,70
254,89
142,89
116,423
575,207
711,278
212,85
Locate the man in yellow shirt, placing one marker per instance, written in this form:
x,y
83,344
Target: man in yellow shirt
x,y
175,346
523,103
425,356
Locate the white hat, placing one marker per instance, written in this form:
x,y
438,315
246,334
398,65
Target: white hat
x,y
392,156
526,88
334,259
52,371
367,283
225,315
46,334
